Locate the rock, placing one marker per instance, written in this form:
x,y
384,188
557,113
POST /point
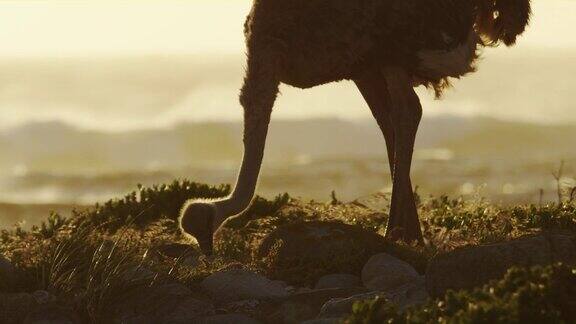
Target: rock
x,y
239,284
15,307
475,266
305,306
43,297
384,272
281,283
186,310
248,307
167,303
298,290
402,297
338,280
342,307
52,313
228,318
300,253
40,307
409,295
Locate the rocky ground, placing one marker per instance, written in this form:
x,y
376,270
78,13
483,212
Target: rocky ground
x,y
288,261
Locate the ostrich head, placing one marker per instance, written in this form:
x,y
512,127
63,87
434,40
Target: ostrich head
x,y
503,20
197,219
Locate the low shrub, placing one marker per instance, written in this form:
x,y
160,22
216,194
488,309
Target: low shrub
x,y
535,295
147,205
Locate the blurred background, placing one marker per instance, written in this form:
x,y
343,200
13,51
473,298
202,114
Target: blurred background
x,y
96,97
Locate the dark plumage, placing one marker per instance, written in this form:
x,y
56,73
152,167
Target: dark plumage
x,y
321,41
386,47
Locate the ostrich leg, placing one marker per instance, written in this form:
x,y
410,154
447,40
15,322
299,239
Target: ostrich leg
x,y
201,218
372,86
405,114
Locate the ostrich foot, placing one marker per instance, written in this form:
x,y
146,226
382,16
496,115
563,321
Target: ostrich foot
x,y
404,224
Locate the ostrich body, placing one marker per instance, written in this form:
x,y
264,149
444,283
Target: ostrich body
x,y
386,47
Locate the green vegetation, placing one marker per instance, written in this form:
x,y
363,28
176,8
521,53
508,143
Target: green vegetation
x,y
536,295
97,256
449,223
147,205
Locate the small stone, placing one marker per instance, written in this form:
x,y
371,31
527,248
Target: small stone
x,y
239,284
384,272
338,280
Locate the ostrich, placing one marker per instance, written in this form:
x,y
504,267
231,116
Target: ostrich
x,y
386,47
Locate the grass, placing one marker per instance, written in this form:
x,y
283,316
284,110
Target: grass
x,y
93,258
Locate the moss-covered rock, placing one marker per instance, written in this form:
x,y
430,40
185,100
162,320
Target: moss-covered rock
x,y
300,253
471,267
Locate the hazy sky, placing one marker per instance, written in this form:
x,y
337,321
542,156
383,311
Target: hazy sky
x,y
104,28
87,28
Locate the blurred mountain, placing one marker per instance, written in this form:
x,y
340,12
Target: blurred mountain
x,y
55,166
61,148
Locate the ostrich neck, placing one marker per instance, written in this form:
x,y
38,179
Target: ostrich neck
x,y
232,205
255,132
